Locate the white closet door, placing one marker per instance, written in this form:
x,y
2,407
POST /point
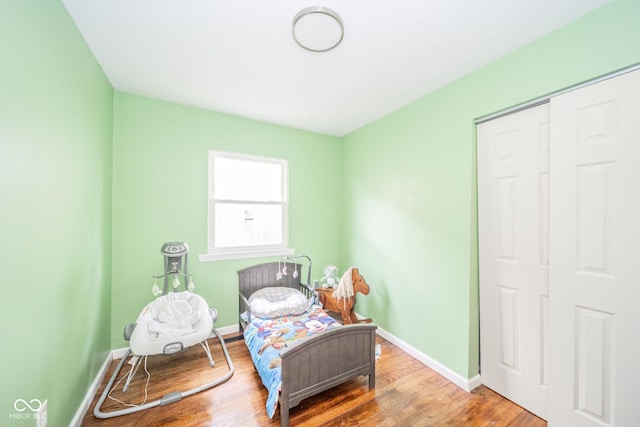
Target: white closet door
x,y
513,188
595,255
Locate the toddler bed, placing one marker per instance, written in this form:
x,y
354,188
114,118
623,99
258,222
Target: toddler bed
x,y
298,350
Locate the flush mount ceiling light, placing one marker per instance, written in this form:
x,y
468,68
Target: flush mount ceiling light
x,y
317,29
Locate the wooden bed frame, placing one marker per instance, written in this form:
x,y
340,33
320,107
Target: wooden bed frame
x,y
320,362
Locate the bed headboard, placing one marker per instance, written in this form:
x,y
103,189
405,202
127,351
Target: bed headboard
x,y
260,276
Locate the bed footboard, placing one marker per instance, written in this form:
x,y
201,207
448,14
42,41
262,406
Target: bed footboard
x,y
325,361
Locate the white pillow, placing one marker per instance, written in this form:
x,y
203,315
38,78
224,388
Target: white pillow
x,y
272,302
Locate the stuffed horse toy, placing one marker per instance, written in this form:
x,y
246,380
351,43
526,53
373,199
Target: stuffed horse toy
x,y
342,299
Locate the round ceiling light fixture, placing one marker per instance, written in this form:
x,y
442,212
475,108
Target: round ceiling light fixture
x,y
317,28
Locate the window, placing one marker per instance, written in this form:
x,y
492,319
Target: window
x,y
247,206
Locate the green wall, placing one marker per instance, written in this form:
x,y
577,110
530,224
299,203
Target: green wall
x,y
160,194
409,211
55,221
396,198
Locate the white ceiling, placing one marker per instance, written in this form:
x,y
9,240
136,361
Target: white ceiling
x,y
238,56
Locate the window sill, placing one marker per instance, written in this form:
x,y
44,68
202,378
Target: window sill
x,y
245,254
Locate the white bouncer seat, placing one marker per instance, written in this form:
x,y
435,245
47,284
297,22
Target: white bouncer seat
x,y
171,323
168,325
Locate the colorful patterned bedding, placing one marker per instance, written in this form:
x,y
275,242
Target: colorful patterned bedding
x,y
266,337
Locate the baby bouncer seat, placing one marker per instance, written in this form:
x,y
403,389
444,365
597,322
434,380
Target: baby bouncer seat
x,y
171,323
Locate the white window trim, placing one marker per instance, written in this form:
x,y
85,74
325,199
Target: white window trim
x,y
214,254
246,254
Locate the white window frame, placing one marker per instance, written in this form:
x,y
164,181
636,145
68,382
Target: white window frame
x,y
215,253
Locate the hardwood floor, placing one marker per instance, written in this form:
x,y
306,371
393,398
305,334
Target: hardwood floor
x,y
407,393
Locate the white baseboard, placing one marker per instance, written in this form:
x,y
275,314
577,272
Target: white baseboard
x,y
93,389
119,353
475,381
466,384
231,329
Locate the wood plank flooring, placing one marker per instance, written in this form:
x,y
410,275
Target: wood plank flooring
x,y
407,393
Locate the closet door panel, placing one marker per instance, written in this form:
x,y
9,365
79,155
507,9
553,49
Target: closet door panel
x,y
595,255
513,188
